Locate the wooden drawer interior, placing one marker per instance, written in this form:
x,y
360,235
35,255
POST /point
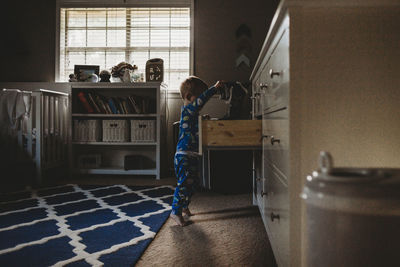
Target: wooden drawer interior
x,y
230,133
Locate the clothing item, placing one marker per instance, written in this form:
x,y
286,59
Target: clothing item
x,y
189,153
186,159
14,105
188,139
187,173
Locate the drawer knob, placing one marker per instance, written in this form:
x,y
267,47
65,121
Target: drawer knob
x,y
274,216
273,73
264,136
263,86
275,140
263,193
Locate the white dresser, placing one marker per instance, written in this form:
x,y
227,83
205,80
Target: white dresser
x,y
327,78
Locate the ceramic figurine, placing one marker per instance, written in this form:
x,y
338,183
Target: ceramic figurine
x,y
105,76
72,78
122,71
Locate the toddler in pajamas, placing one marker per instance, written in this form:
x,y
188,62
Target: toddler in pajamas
x,y
195,93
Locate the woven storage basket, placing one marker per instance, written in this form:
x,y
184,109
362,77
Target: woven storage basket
x,y
143,131
115,131
86,130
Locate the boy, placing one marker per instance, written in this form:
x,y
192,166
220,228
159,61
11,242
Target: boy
x,y
194,94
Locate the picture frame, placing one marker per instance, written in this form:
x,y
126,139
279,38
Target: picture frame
x,y
83,72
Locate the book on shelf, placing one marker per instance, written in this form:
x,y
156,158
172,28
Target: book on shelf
x,y
126,106
102,104
82,98
105,101
112,105
136,107
144,105
93,103
120,105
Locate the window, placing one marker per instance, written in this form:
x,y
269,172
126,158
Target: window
x,y
108,36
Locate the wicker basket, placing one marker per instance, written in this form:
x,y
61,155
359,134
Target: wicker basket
x,y
86,130
143,130
115,131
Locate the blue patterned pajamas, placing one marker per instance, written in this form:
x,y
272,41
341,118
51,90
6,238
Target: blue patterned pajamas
x,y
187,173
186,159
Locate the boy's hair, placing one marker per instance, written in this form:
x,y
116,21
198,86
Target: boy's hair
x,y
192,86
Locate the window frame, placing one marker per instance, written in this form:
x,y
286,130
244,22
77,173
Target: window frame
x,y
122,4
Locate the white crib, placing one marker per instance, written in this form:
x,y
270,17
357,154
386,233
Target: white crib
x,y
49,125
44,130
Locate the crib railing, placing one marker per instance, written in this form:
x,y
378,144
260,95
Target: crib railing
x,y
49,125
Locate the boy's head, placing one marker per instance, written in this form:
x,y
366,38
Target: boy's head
x,y
192,86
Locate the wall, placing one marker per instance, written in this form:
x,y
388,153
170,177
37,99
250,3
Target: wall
x,y
27,50
27,47
216,22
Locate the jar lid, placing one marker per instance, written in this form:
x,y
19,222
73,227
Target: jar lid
x,y
354,182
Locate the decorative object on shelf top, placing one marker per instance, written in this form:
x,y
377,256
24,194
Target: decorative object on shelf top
x,y
72,78
85,73
93,102
105,76
123,72
154,70
243,47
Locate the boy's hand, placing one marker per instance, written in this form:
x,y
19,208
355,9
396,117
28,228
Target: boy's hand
x,y
219,85
205,116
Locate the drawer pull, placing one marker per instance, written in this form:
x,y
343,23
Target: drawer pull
x,y
274,140
264,136
273,73
274,216
263,193
256,96
263,86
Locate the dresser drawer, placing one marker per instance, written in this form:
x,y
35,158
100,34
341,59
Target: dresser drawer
x,y
276,144
256,99
274,77
261,194
276,212
230,133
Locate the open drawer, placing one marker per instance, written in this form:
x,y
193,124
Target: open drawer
x,y
235,134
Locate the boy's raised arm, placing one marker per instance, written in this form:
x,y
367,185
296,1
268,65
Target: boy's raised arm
x,y
200,101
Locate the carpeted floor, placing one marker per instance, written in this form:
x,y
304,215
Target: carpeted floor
x,y
226,231
81,225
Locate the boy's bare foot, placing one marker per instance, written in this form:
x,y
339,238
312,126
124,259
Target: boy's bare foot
x,y
187,212
178,219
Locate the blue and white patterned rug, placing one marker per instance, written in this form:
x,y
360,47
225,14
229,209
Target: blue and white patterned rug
x,y
81,225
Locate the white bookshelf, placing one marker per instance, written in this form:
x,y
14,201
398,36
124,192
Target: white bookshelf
x,y
80,115
112,154
117,171
100,143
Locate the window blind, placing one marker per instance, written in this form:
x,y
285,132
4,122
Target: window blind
x,y
107,36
